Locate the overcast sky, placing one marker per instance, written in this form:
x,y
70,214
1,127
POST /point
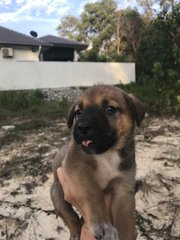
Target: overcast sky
x,y
42,16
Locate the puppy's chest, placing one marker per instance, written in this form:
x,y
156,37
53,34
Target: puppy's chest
x,y
107,167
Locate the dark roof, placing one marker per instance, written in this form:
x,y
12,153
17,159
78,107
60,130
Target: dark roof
x,y
62,42
10,37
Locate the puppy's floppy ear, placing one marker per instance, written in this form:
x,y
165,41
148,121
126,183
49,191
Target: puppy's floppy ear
x,y
136,107
71,115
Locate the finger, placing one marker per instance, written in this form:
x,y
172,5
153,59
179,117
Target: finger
x,y
65,184
60,173
108,203
86,234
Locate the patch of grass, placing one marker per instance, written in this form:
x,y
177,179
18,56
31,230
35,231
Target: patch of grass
x,y
18,100
159,100
30,103
52,108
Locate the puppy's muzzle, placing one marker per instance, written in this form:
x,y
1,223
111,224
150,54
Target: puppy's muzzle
x,y
84,128
93,132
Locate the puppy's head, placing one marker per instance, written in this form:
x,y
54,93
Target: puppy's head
x,y
104,117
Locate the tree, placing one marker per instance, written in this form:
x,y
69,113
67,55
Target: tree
x,y
160,46
153,7
130,30
69,27
98,24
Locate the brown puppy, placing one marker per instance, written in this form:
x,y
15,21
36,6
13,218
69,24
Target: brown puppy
x,y
100,159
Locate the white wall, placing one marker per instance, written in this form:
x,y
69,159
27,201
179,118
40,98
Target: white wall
x,y
37,75
21,55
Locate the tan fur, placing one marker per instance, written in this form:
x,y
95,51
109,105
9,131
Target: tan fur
x,y
94,175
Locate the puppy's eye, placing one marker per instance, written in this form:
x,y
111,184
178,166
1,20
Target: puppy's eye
x,y
111,109
78,112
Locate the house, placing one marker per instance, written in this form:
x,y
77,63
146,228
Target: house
x,y
15,46
61,49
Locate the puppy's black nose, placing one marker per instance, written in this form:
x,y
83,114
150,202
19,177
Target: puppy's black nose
x,y
84,127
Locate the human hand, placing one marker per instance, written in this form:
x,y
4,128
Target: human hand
x,y
70,195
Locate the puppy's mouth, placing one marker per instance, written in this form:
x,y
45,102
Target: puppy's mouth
x,y
88,146
87,143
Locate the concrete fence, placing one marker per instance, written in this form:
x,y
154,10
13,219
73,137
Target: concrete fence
x,y
42,75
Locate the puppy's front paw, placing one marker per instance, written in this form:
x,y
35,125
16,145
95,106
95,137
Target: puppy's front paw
x,y
105,231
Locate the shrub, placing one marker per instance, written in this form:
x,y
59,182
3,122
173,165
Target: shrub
x,y
18,100
30,103
159,100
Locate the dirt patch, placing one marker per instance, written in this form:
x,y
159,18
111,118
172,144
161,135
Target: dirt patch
x,y
26,153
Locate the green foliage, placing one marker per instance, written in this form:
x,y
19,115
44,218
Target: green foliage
x,y
69,27
157,99
95,26
130,30
16,100
93,56
149,10
106,29
158,74
98,23
159,50
30,103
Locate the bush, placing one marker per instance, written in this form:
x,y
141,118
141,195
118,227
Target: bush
x,y
159,100
19,100
30,103
158,74
93,56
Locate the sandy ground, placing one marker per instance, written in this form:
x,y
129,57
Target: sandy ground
x,y
26,153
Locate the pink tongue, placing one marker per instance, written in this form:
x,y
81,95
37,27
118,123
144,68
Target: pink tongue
x,y
86,143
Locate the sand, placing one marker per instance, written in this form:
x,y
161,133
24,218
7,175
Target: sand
x,y
27,147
